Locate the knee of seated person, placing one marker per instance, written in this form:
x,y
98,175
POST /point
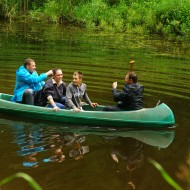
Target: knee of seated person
x,y
28,92
63,100
61,106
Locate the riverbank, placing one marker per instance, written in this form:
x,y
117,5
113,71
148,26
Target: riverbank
x,y
116,16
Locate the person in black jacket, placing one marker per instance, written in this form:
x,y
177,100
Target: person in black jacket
x,y
130,98
54,92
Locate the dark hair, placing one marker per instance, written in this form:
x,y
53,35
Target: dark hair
x,y
80,74
28,61
55,70
132,76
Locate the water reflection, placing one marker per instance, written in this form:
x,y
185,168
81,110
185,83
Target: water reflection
x,y
128,158
56,143
65,142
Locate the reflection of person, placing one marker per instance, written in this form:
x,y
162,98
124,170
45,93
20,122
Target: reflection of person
x,y
55,144
77,150
129,153
72,140
30,159
53,92
58,155
29,142
76,90
131,97
28,82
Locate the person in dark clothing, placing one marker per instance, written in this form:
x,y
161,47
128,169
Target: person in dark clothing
x,y
130,98
54,92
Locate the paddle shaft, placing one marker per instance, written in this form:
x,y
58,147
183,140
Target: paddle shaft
x,y
131,65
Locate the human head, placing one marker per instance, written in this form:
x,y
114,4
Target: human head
x,y
77,78
57,75
30,65
131,78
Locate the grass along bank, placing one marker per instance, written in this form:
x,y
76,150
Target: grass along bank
x,y
137,16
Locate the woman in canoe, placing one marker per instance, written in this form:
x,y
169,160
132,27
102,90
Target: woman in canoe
x,y
53,92
130,98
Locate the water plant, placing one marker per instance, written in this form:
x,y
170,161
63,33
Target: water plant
x,y
25,176
165,175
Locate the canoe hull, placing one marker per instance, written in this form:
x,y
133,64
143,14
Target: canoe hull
x,y
158,117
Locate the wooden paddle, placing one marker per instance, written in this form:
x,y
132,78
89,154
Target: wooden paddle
x,y
131,65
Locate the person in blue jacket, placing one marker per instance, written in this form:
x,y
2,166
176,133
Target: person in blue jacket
x,y
28,82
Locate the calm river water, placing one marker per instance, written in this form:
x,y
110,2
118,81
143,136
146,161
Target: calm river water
x,y
72,157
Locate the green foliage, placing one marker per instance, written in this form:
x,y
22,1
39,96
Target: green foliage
x,y
50,8
7,8
12,8
99,15
137,16
172,16
60,10
25,176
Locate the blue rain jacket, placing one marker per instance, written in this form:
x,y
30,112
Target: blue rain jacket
x,y
26,80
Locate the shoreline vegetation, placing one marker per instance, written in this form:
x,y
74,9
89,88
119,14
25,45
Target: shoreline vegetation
x,y
115,16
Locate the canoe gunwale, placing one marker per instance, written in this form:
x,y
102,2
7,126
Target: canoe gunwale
x,y
86,117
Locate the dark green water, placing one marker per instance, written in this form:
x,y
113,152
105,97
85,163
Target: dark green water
x,y
163,67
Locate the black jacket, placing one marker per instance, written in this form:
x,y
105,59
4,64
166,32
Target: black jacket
x,y
51,89
130,98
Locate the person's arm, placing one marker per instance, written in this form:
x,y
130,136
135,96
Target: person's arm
x,y
87,99
42,83
51,101
29,78
118,96
69,102
49,93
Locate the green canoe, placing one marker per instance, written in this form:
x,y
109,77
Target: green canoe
x,y
157,117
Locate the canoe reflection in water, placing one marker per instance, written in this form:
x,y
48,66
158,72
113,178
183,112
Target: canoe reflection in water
x,y
41,144
126,149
